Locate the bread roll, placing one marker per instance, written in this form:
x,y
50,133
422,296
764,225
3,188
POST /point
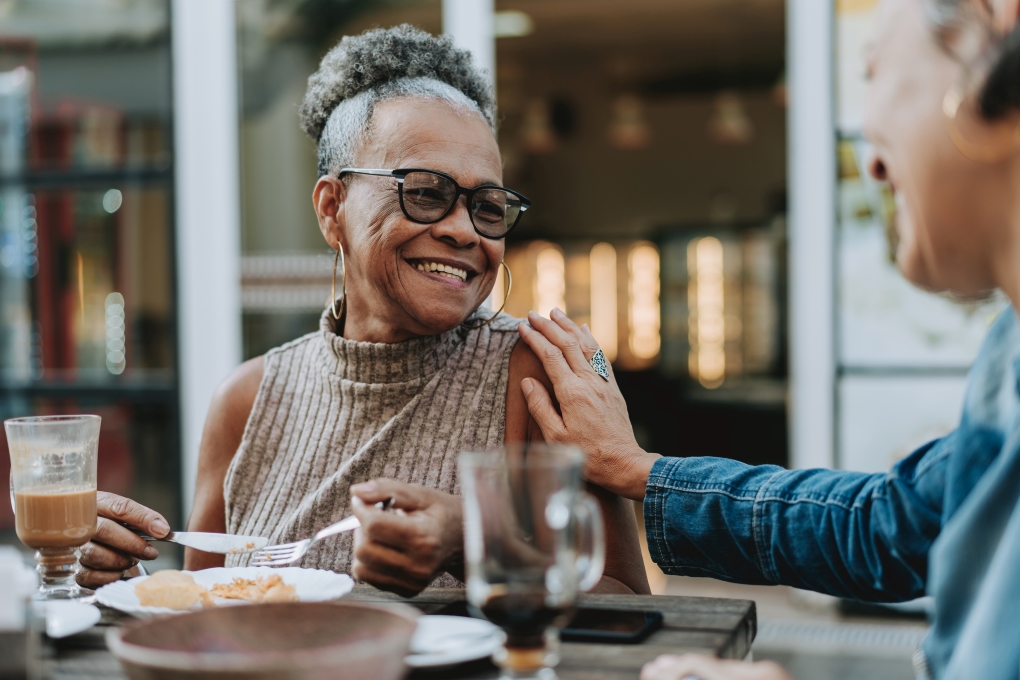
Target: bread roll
x,y
172,589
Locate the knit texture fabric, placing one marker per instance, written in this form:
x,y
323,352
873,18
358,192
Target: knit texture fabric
x,y
330,413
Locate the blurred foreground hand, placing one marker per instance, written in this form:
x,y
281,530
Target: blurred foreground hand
x,y
698,667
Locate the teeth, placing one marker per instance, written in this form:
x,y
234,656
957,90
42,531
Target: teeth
x,y
443,270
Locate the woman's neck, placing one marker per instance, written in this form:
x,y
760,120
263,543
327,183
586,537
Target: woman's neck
x,y
361,328
377,321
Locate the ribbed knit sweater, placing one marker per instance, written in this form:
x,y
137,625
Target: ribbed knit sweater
x,y
330,413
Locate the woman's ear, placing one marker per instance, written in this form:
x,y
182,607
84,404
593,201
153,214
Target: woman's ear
x,y
328,200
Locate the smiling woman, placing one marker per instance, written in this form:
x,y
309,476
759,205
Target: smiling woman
x,y
407,369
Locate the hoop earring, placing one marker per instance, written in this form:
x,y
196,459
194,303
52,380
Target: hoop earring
x,y
506,296
339,257
979,154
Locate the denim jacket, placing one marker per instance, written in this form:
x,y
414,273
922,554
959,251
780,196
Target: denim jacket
x,y
945,521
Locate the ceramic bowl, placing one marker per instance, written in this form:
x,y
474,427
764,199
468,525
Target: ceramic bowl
x,y
300,640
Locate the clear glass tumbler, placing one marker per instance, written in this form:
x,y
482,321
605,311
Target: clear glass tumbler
x,y
533,540
53,491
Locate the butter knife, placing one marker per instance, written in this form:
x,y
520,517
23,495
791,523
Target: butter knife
x,y
226,544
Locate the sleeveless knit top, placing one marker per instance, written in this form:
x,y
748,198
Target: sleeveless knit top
x,y
330,413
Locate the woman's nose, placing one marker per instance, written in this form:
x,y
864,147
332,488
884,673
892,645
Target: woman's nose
x,y
876,168
456,228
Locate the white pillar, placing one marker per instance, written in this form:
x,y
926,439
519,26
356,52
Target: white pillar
x,y
207,212
811,184
472,24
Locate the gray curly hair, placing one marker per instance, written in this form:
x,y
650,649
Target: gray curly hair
x,y
383,64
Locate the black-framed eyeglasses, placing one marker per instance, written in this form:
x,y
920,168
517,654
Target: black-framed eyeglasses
x,y
427,196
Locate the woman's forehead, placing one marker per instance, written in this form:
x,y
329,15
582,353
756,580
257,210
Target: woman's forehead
x,y
433,134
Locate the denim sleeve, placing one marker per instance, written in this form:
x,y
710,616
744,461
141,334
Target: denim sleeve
x,y
849,534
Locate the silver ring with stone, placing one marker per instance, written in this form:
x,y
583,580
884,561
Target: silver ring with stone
x,y
600,365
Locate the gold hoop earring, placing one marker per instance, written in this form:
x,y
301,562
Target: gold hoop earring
x,y
978,153
506,296
339,257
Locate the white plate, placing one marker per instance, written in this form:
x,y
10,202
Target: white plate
x,y
312,585
64,618
448,640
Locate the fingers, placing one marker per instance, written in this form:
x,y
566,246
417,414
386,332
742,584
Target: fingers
x,y
581,333
388,568
94,578
567,343
114,548
397,530
590,344
113,535
553,361
135,514
404,496
672,667
96,556
542,410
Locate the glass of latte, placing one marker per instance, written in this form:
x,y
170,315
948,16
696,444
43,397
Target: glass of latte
x,y
53,490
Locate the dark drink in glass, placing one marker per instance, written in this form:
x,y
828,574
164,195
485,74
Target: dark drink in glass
x,y
533,540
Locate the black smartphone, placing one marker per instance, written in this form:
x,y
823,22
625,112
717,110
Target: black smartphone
x,y
589,624
611,625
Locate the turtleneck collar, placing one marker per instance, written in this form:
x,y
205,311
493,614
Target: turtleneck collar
x,y
380,362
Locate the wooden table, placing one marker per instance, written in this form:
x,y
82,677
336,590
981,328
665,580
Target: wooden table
x,y
725,628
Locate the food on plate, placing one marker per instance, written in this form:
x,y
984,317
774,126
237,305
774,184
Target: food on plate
x,y
262,589
248,547
172,589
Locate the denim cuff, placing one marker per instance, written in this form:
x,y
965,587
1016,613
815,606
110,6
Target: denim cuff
x,y
657,491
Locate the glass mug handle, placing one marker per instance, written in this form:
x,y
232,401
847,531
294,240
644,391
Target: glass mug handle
x,y
589,564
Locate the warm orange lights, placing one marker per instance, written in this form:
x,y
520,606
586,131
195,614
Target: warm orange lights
x,y
603,298
550,285
643,301
707,321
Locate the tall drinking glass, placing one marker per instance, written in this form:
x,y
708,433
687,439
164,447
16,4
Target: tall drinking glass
x,y
533,539
53,490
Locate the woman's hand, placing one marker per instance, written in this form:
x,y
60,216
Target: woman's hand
x,y
114,549
404,548
698,667
594,413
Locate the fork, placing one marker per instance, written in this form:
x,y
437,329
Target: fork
x,y
288,553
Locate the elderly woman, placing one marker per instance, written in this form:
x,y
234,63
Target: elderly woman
x,y
406,370
944,120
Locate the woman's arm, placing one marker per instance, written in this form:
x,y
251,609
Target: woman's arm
x,y
624,571
844,533
224,426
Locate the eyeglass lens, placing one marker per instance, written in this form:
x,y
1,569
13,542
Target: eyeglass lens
x,y
428,197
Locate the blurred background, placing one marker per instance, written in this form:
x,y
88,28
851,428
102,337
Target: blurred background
x,y
696,175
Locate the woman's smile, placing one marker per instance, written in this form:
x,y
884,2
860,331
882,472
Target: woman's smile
x,y
448,272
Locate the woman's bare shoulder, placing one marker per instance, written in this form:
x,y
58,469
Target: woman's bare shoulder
x,y
233,400
519,425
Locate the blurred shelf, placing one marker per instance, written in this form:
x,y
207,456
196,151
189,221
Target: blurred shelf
x,y
51,179
149,392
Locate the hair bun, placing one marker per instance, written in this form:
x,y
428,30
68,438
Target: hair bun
x,y
379,56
